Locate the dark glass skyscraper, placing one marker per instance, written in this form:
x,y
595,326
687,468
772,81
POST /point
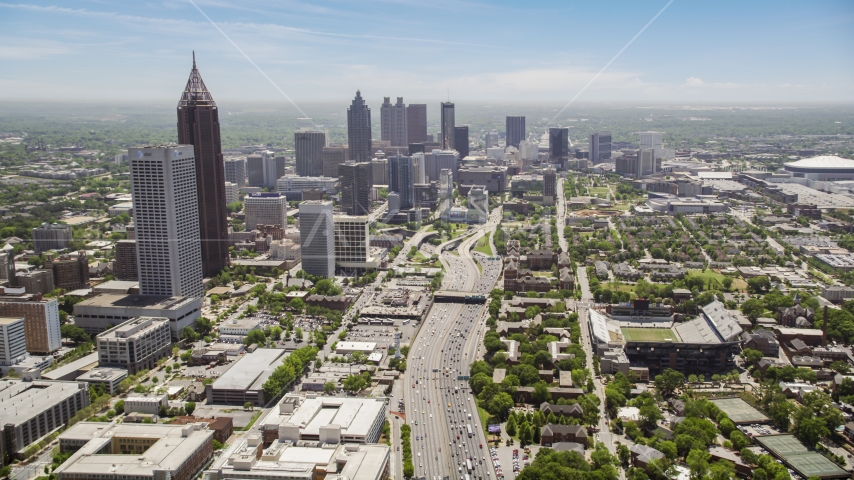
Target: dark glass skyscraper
x,y
515,131
359,129
198,125
447,126
461,141
401,180
558,143
416,123
356,180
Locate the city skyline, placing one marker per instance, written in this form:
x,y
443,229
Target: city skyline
x,y
315,52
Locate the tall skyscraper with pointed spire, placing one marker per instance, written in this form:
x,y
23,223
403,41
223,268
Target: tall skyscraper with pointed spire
x,y
198,125
359,129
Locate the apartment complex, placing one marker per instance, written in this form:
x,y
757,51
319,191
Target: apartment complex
x,y
124,265
13,341
41,318
69,273
136,344
51,237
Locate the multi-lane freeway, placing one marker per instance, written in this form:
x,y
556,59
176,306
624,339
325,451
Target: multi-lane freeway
x,y
439,407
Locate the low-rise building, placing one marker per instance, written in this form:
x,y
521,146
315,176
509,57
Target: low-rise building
x,y
314,418
109,378
244,381
94,314
33,409
837,293
284,460
150,404
552,433
127,451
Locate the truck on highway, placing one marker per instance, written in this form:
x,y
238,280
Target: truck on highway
x,y
468,465
468,427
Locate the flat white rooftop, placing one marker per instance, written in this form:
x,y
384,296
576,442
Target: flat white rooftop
x,y
251,371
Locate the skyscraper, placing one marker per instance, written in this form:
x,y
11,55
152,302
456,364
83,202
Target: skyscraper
x,y
331,157
446,193
558,143
255,170
265,209
416,123
359,129
393,123
490,138
652,140
51,236
166,218
461,141
356,180
401,180
447,126
308,147
549,182
235,172
438,160
198,126
317,237
600,147
515,131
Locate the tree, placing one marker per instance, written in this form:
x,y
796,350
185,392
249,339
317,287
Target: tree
x,y
751,356
500,404
190,407
840,366
727,283
188,335
759,284
248,406
541,393
354,383
74,333
752,308
119,407
298,336
511,426
255,336
738,439
649,415
327,288
722,470
698,462
329,388
624,454
668,381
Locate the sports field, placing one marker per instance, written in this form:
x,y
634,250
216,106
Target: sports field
x,y
806,463
649,335
739,411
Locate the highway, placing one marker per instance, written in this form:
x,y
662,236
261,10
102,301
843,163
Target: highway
x,y
443,349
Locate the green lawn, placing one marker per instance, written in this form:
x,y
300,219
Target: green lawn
x,y
648,334
737,284
483,246
484,417
598,190
621,287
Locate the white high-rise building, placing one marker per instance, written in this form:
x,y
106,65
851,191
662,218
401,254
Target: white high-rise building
x,y
478,200
232,192
419,164
446,193
317,237
352,242
265,209
13,341
653,140
166,219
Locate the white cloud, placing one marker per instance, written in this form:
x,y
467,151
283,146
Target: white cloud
x,y
694,82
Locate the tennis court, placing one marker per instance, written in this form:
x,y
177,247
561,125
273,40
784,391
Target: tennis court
x,y
792,452
633,334
739,411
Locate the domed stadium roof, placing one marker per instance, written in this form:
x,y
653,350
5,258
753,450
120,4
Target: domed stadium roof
x,y
824,162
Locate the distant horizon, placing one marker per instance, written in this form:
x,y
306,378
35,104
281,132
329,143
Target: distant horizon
x,y
549,51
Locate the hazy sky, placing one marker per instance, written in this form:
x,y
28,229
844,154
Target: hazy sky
x,y
502,51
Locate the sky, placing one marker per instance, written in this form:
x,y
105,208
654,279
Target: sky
x,y
467,50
